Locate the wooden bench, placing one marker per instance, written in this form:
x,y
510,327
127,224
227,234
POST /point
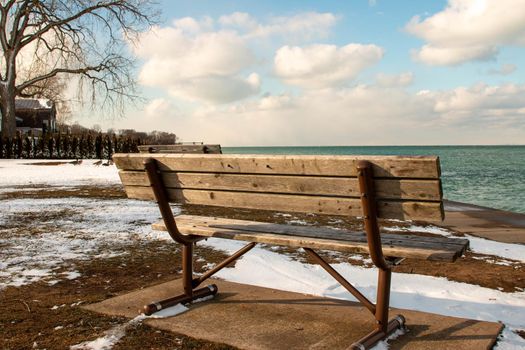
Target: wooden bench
x,y
370,187
181,148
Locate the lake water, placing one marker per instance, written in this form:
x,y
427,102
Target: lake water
x,y
492,176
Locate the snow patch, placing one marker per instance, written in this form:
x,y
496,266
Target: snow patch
x,y
111,337
115,334
383,345
510,340
89,228
71,275
169,312
27,172
298,222
503,250
427,229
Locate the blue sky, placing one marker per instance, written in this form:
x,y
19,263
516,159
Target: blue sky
x,y
334,72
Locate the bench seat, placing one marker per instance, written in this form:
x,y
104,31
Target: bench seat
x,y
394,245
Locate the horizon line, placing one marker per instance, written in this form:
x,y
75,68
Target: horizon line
x,y
445,145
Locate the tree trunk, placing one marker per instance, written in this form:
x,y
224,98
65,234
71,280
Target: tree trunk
x,y
7,107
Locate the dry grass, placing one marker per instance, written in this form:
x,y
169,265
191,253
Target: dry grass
x,y
29,314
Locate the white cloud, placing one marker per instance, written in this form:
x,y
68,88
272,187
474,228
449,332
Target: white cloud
x,y
193,60
271,102
239,20
216,53
303,26
160,108
481,102
216,89
192,25
365,115
216,62
504,69
468,30
450,56
319,66
205,66
394,80
161,42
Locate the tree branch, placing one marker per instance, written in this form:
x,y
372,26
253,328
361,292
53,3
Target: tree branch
x,y
17,33
20,12
3,28
56,71
53,24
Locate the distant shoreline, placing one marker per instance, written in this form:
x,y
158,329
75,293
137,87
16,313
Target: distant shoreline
x,y
505,145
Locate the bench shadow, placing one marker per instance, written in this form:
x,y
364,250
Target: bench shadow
x,y
225,298
415,333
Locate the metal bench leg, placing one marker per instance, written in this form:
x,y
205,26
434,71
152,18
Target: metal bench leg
x,y
383,298
189,283
384,327
190,294
187,269
372,338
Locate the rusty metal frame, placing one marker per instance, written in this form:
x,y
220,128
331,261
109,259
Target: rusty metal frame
x,y
380,309
161,196
187,241
384,327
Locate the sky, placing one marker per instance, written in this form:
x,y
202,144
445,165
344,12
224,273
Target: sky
x,y
312,73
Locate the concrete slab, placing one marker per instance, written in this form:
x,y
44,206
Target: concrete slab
x,y
498,225
250,317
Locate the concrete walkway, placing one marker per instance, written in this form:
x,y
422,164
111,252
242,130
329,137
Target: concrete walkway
x,y
251,317
498,225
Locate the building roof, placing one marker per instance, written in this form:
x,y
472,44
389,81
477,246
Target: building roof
x,y
33,103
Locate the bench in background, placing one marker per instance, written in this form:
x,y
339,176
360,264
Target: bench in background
x,y
181,148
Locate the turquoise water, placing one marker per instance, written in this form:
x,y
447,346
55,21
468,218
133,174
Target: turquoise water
x,y
492,176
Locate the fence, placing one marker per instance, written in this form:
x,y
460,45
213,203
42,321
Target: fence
x,y
60,146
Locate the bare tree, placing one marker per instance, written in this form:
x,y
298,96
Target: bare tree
x,y
83,38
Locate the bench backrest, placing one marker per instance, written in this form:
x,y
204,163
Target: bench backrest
x,y
181,148
407,187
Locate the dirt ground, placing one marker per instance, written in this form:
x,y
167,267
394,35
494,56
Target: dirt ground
x,y
40,316
49,317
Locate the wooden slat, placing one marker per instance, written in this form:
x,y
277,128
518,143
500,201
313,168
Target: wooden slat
x,y
406,210
317,232
426,167
298,242
393,245
429,190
